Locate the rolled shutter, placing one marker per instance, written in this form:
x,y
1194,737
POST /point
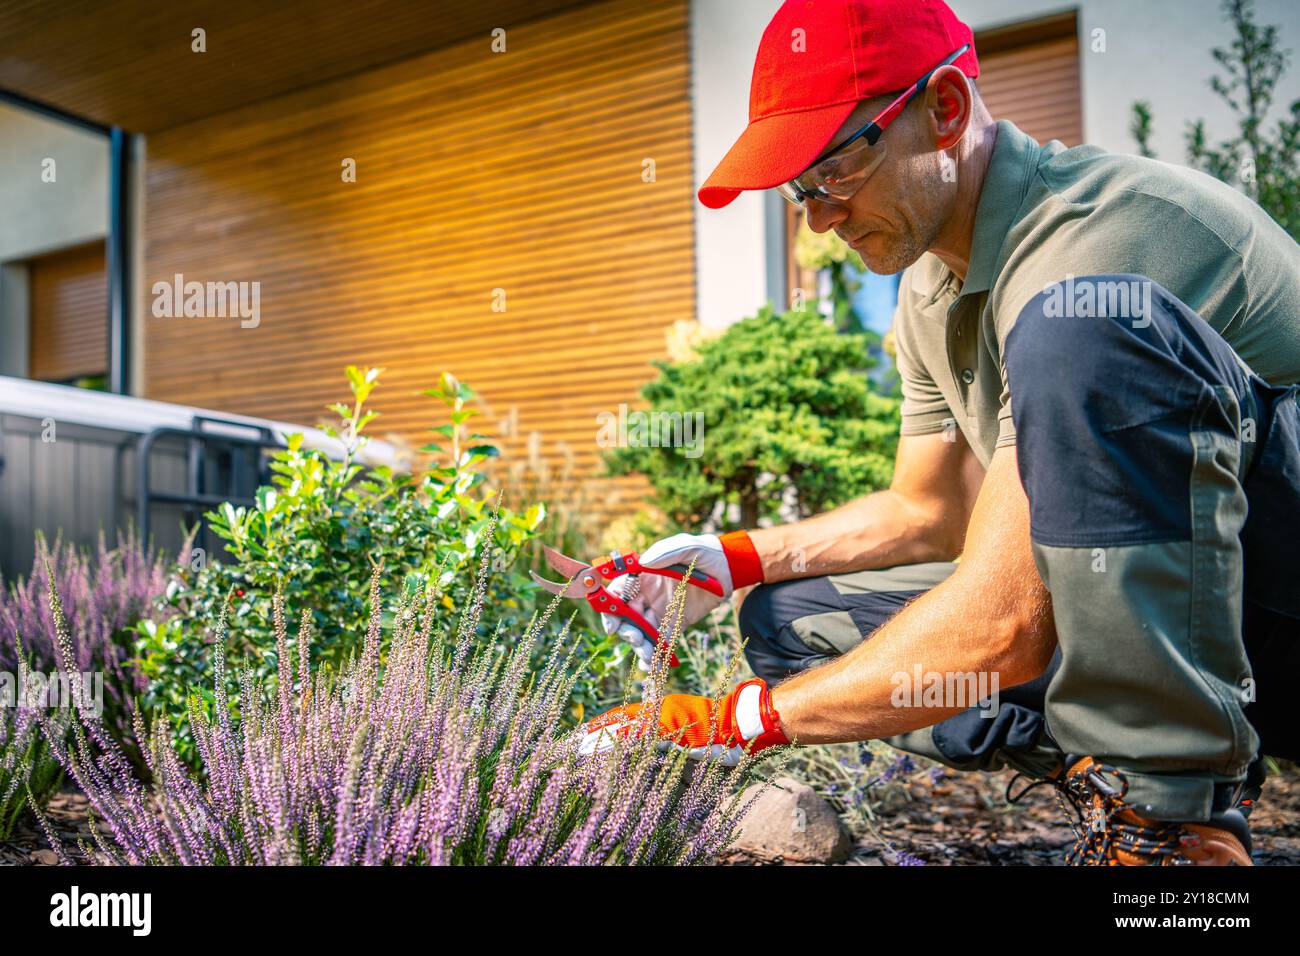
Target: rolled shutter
x,y
69,314
1029,74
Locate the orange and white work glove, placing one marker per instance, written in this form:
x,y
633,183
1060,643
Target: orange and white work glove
x,y
745,719
730,558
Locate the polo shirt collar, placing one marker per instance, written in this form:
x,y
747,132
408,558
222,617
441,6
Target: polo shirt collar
x,y
1012,165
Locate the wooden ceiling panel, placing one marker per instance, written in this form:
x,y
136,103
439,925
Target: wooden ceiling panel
x,y
129,62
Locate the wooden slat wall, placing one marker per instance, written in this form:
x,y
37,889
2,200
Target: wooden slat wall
x,y
475,171
69,314
1029,74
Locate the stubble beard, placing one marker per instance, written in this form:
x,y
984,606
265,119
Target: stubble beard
x,y
901,248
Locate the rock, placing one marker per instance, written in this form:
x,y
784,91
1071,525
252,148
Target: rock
x,y
790,821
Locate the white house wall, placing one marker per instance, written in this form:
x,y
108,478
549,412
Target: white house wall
x,y
38,216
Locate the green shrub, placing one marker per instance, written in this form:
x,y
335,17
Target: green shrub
x,y
791,424
314,535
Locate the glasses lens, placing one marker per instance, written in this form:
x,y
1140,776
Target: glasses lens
x,y
841,175
837,177
790,192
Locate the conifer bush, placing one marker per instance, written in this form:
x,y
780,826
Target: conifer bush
x,y
791,425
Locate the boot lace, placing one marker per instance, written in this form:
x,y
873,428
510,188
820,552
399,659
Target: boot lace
x,y
1092,807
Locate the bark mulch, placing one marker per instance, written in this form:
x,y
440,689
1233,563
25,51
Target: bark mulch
x,y
965,820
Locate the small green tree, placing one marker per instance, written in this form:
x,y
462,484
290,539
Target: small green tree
x,y
791,424
1140,128
1266,163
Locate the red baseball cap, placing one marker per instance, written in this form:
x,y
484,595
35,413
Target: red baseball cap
x,y
817,60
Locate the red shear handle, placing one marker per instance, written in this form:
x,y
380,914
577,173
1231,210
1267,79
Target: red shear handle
x,y
606,603
632,565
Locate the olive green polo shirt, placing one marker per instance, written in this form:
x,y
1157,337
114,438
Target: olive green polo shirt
x,y
1047,213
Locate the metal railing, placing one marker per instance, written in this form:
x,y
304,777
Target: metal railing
x,y
244,465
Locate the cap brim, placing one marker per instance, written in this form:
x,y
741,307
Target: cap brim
x,y
773,150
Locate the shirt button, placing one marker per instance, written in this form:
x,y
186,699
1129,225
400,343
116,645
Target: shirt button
x,y
967,376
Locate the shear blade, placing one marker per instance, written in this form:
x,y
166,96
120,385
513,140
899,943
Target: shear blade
x,y
566,565
573,589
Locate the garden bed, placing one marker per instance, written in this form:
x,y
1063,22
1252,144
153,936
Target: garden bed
x,y
964,820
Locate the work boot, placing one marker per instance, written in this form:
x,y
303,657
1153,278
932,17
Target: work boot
x,y
1110,833
1247,793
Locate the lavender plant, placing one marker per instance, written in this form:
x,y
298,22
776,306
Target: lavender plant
x,y
400,756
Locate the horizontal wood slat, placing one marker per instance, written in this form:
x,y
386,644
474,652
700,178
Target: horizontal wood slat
x,y
69,314
475,171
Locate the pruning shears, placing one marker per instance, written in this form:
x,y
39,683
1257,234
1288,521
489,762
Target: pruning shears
x,y
587,580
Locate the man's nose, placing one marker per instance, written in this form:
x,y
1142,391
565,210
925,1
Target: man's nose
x,y
823,216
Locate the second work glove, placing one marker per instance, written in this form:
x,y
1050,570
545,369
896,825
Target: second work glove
x,y
729,558
743,720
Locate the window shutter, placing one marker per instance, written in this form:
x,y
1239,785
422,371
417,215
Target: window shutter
x,y
69,314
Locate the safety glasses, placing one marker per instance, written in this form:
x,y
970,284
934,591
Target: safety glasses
x,y
841,171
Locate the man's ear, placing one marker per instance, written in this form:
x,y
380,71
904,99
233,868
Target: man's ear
x,y
948,105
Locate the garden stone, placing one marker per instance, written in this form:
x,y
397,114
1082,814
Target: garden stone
x,y
790,821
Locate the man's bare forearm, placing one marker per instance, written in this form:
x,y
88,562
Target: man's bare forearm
x,y
879,530
992,616
958,628
921,517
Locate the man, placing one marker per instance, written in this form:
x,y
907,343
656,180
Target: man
x,y
1096,352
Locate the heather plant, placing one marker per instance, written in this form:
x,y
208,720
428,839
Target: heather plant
x,y
312,536
28,771
419,752
105,592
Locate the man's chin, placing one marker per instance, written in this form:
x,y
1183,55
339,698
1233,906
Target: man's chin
x,y
886,256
